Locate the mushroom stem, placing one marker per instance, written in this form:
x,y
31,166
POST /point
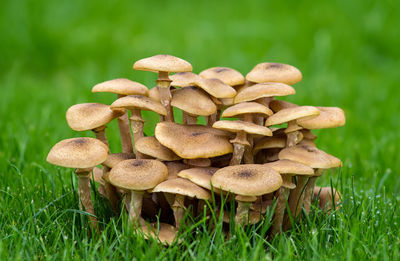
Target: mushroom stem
x,y
179,209
110,190
124,131
296,199
248,153
211,119
100,133
137,124
242,212
309,192
238,148
279,211
85,199
164,82
135,206
291,137
188,119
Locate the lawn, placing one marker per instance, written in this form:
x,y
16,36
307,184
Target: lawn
x,y
53,52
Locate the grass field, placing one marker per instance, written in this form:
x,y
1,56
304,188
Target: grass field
x,y
53,52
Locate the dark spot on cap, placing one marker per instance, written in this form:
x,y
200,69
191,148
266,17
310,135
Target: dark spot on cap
x,y
221,70
79,141
197,133
275,65
245,174
210,171
137,163
309,148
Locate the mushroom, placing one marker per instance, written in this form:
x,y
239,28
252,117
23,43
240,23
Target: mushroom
x,y
184,79
82,154
164,64
277,105
227,75
199,176
136,103
263,90
151,147
274,72
137,176
92,116
246,180
329,117
326,201
123,87
166,233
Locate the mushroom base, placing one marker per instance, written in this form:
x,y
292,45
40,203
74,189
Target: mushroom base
x,y
85,198
279,211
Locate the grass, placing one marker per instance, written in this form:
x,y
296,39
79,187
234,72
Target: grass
x,y
53,52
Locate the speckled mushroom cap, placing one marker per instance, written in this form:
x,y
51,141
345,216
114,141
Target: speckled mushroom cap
x,y
274,72
227,75
166,233
245,108
115,158
310,156
291,114
193,141
199,176
78,153
163,63
216,88
139,102
154,94
138,174
248,127
277,105
182,187
290,167
150,146
247,179
121,86
263,90
89,116
184,99
183,79
269,143
329,117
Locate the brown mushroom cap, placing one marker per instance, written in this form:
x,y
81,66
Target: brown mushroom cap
x,y
274,72
290,167
277,105
182,187
89,116
269,143
150,146
166,233
227,75
199,176
184,99
78,153
139,102
247,179
237,126
193,141
115,158
329,117
183,79
216,88
163,63
291,114
121,86
245,108
310,156
263,90
138,174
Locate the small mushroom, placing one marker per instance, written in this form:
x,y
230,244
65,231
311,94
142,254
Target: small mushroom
x,y
151,147
274,72
184,79
263,90
326,199
227,75
166,233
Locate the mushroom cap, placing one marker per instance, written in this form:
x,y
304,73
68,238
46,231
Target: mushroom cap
x,y
182,187
138,174
237,126
78,153
277,105
115,158
329,117
263,90
310,156
121,86
245,108
269,143
89,116
199,176
166,233
290,167
139,102
154,94
216,88
274,72
183,79
247,179
174,168
163,63
291,114
183,99
227,75
150,146
193,141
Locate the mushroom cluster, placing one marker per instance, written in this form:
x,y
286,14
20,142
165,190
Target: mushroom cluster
x,y
255,150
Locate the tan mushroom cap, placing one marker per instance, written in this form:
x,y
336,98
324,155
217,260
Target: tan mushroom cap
x,y
138,174
277,105
329,117
263,90
290,167
166,233
247,179
163,63
274,72
310,156
139,102
174,168
245,108
291,114
151,147
193,101
78,153
115,158
184,79
154,94
216,88
89,116
227,75
193,141
199,176
182,187
237,126
245,198
269,143
121,86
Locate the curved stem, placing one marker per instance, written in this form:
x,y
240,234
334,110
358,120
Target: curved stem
x,y
135,206
279,211
101,134
179,209
137,124
308,194
296,199
242,212
85,198
125,133
111,191
164,82
238,151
